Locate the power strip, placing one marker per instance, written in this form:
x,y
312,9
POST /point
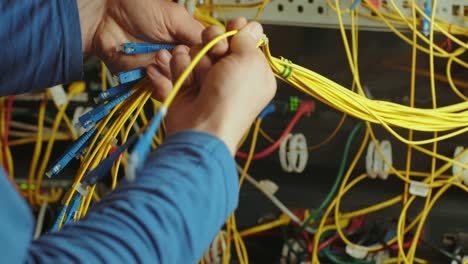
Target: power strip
x,y
316,13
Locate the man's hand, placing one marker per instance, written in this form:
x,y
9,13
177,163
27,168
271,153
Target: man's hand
x,y
106,24
227,90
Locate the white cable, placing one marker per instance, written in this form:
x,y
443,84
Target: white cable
x,y
274,200
40,220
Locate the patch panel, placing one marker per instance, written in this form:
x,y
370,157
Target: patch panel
x,y
317,13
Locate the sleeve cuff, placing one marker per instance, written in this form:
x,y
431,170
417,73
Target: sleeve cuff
x,y
217,151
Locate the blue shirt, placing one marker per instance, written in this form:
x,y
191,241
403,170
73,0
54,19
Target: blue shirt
x,y
172,211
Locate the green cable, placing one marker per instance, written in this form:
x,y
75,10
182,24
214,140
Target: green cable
x,y
314,216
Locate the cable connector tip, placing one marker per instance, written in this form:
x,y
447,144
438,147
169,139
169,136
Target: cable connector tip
x,y
130,172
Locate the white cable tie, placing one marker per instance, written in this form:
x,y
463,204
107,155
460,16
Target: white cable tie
x,y
419,188
299,153
356,251
81,189
386,148
284,161
268,186
377,164
292,154
114,142
79,111
58,95
265,40
370,160
457,169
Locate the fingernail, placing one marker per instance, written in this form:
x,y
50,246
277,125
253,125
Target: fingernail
x,y
255,29
153,72
164,57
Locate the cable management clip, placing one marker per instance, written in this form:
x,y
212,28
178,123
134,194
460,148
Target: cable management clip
x,y
376,165
356,251
457,169
293,153
419,188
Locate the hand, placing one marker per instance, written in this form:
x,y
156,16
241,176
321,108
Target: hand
x,y
227,90
106,24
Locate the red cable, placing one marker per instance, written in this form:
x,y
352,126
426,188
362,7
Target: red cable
x,y
8,112
356,223
9,109
304,108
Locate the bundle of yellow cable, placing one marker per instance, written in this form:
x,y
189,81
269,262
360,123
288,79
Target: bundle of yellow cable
x,y
123,116
387,114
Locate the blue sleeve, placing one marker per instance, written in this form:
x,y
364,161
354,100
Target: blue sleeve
x,y
41,44
170,214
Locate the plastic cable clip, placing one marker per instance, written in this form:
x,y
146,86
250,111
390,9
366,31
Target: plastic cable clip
x,y
268,186
419,188
457,169
294,156
58,95
81,189
375,163
79,111
265,40
356,251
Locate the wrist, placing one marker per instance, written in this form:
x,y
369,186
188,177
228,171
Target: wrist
x,y
91,13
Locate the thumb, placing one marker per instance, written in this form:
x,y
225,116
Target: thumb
x,y
247,38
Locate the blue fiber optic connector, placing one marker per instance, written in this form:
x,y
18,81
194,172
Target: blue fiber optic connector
x,y
426,24
142,147
59,218
114,91
141,48
93,116
71,152
131,75
75,203
95,175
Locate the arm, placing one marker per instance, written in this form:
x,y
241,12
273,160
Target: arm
x,y
169,215
39,44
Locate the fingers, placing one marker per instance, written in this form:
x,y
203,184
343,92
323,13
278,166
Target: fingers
x,y
163,61
181,25
221,47
161,84
180,60
237,23
247,39
203,66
